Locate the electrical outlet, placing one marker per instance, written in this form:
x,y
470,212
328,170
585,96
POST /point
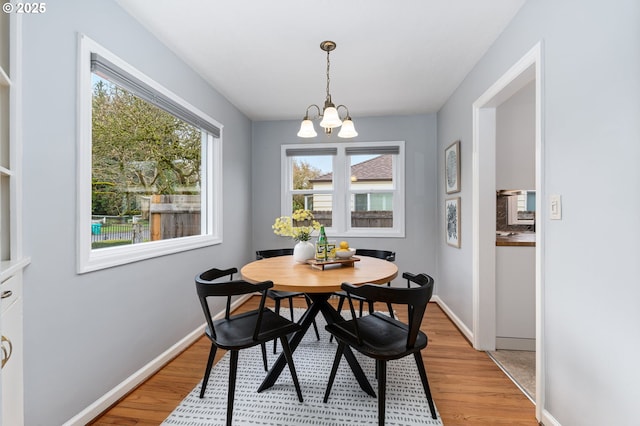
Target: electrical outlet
x,y
555,207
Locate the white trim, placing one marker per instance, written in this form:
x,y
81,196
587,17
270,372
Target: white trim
x,y
541,215
483,257
528,68
548,419
15,138
91,260
133,381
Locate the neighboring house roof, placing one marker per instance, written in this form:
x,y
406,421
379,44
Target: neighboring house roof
x,y
377,168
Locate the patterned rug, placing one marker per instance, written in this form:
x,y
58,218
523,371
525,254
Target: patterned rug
x,y
347,405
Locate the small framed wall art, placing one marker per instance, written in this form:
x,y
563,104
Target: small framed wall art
x,y
452,221
452,167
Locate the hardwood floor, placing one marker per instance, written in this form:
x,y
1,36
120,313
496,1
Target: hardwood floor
x,y
467,387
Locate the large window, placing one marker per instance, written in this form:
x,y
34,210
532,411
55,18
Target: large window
x,y
353,189
149,170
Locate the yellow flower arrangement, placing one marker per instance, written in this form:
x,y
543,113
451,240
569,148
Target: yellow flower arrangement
x,y
298,226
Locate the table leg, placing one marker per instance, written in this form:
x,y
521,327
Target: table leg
x,y
320,304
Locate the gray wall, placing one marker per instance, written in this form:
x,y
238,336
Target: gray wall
x,y
84,334
416,252
591,93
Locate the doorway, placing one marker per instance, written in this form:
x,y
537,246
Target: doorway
x,y
525,71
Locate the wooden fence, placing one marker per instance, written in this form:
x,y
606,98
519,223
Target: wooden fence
x,y
359,219
174,216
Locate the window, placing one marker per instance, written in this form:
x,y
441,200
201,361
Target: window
x,y
149,170
353,189
521,208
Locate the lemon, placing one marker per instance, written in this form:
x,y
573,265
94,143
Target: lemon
x,y
344,245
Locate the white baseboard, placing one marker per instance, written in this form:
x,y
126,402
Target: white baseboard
x,y
548,419
454,318
131,382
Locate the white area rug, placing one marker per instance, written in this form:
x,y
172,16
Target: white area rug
x,y
347,405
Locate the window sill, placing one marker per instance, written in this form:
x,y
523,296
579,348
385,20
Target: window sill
x,y
122,255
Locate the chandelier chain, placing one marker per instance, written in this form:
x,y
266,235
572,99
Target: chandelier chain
x,y
328,78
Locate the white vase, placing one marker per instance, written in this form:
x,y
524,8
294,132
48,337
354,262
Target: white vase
x,y
303,250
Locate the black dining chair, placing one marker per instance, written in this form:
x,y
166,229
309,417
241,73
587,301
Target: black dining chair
x,y
380,254
241,331
276,295
384,338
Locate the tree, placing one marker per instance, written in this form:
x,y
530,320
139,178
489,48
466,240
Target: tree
x,y
139,149
303,174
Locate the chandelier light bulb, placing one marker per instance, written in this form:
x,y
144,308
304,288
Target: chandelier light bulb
x,y
347,130
307,130
330,118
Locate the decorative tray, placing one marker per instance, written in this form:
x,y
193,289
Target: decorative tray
x,y
320,264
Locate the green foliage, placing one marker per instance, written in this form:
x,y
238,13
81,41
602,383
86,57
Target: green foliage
x,y
138,150
303,174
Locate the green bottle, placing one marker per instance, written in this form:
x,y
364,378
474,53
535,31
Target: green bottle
x,y
321,245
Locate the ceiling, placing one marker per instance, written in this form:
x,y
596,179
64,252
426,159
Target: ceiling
x,y
392,58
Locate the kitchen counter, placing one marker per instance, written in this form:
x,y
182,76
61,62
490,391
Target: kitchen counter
x,y
522,239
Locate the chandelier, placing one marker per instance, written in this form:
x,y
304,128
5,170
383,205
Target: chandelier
x,y
329,115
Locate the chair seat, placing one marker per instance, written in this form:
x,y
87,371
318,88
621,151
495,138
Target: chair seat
x,y
276,294
383,337
237,331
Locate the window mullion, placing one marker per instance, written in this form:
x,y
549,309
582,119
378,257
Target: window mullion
x,y
340,194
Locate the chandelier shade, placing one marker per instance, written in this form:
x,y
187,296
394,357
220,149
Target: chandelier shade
x,y
330,118
330,115
347,130
307,130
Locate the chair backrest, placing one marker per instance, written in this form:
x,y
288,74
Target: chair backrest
x,y
415,297
208,286
261,254
380,254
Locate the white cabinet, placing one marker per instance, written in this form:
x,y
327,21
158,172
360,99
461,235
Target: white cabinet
x,y
515,298
12,350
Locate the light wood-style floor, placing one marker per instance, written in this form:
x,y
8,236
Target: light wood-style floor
x,y
467,386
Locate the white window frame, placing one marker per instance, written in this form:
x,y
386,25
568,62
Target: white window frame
x,y
211,202
341,192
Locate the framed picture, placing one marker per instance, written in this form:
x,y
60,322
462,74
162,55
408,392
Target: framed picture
x,y
452,221
452,167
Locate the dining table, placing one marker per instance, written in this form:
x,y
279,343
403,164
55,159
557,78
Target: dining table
x,y
318,284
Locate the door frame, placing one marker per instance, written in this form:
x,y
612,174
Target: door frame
x,y
527,69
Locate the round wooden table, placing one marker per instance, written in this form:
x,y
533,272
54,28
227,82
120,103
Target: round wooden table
x,y
288,275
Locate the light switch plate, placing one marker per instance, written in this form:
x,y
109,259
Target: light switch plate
x,y
555,207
